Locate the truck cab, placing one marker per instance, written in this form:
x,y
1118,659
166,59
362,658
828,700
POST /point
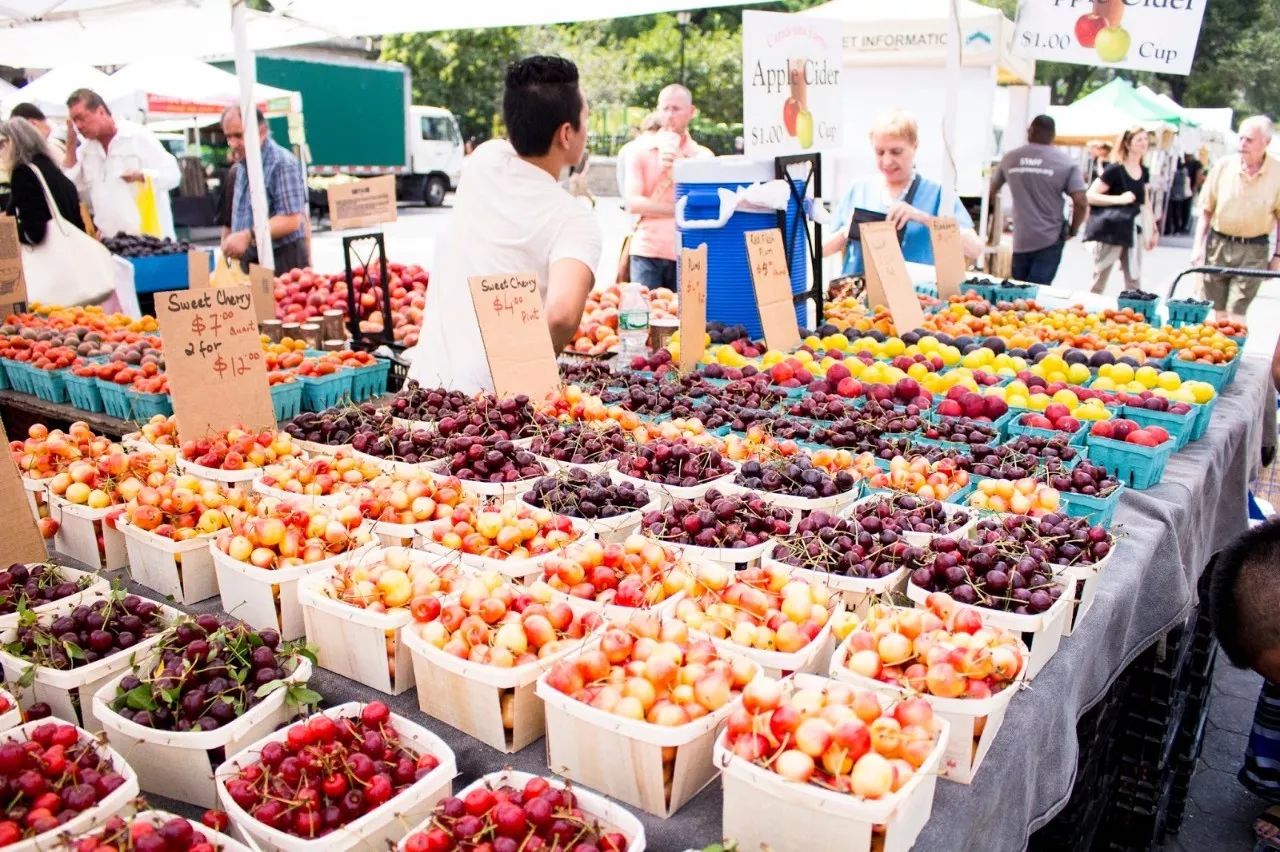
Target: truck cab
x,y
435,152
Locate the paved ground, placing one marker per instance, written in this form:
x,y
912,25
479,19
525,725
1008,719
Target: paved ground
x,y
1221,812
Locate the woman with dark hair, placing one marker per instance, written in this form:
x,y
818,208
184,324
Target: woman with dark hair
x,y
24,153
1123,234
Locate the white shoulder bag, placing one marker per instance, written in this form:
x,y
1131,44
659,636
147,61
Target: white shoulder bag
x,y
69,267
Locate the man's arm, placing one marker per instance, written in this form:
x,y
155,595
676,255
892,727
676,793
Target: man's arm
x,y
1079,210
571,282
638,201
997,183
1199,244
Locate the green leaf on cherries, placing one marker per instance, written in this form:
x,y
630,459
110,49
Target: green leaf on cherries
x,y
268,688
74,651
299,694
139,698
27,678
239,675
308,651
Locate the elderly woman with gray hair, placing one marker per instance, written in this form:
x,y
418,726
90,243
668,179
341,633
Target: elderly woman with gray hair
x,y
25,155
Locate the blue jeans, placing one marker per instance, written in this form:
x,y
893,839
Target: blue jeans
x,y
653,272
1039,266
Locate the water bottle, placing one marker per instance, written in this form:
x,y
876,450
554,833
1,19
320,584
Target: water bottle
x,y
633,322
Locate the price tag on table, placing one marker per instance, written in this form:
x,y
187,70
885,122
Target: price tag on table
x,y
263,281
20,539
768,261
948,256
517,342
214,359
693,306
888,283
13,287
362,203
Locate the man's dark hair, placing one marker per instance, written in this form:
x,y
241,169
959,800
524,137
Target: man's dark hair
x,y
1042,129
541,96
30,112
89,99
1244,595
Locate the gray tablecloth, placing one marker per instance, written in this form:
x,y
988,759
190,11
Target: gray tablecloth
x,y
1167,534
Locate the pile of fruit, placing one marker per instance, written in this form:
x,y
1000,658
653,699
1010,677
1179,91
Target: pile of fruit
x,y
513,530
303,293
870,547
274,534
362,764
836,737
579,494
718,520
637,573
760,608
109,625
204,674
941,650
539,815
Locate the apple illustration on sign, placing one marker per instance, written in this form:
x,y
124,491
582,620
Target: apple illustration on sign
x,y
1088,27
1112,44
790,110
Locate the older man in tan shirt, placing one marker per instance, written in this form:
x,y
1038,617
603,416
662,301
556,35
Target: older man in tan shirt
x,y
1240,210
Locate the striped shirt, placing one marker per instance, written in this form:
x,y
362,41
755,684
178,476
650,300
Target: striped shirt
x,y
286,191
1261,770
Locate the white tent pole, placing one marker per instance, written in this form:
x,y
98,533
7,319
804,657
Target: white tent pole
x,y
247,73
950,106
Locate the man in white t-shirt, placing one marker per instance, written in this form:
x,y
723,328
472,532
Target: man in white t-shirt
x,y
510,215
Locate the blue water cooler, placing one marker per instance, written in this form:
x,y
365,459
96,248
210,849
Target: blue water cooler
x,y
731,296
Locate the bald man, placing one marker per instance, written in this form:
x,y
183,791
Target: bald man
x,y
651,191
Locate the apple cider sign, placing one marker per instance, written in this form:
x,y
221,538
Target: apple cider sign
x,y
1142,35
791,84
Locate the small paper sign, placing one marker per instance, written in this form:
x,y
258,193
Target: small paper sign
x,y
948,256
213,356
263,282
362,203
197,269
517,342
769,273
13,287
20,539
693,306
887,281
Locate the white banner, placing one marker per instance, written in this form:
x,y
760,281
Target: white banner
x,y
1142,35
791,84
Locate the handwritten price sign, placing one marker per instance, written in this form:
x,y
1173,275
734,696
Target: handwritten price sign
x,y
768,261
517,342
213,355
693,306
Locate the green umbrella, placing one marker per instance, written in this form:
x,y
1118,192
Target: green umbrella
x,y
1121,95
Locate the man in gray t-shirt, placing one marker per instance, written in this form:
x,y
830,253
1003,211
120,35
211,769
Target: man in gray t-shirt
x,y
1039,175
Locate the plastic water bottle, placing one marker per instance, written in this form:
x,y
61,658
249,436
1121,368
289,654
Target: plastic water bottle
x,y
633,322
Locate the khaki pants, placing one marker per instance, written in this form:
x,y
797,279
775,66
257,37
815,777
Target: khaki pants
x,y
1233,293
1130,258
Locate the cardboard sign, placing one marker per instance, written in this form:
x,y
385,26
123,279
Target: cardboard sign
x,y
213,355
13,287
517,342
793,84
948,256
20,539
887,281
768,261
362,203
263,282
693,306
197,269
1110,33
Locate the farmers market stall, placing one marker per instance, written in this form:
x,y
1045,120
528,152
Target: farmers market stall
x,y
805,433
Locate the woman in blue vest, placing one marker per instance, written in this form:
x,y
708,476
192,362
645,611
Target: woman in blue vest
x,y
908,200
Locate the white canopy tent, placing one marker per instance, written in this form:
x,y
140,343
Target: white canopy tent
x,y
49,91
187,87
46,33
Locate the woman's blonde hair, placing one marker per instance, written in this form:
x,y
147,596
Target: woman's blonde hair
x,y
896,123
1121,152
